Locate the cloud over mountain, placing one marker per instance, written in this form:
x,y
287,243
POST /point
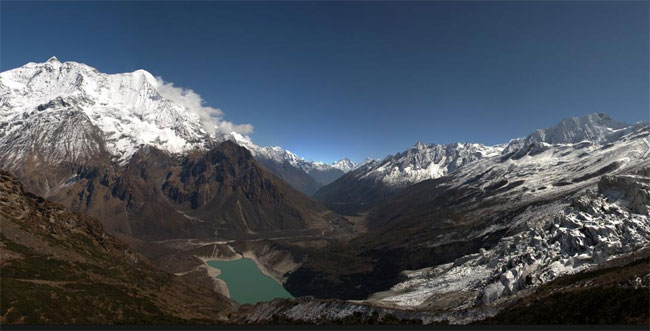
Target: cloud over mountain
x,y
211,118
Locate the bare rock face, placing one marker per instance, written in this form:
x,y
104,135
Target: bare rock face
x,y
305,176
158,195
596,128
634,190
46,145
545,242
378,179
227,184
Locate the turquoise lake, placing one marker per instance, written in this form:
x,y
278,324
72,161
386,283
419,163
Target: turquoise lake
x,y
246,283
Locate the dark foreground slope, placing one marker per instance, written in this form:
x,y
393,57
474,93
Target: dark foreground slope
x,y
616,292
60,267
612,294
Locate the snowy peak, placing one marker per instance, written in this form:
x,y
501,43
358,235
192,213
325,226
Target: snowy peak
x,y
345,165
374,180
422,162
595,128
281,155
313,174
273,153
130,109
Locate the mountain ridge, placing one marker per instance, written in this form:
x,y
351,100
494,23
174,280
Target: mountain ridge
x,y
115,114
380,179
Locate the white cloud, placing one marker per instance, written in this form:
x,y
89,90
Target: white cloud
x,y
227,127
211,118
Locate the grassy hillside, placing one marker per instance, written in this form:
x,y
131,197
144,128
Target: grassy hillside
x,y
59,267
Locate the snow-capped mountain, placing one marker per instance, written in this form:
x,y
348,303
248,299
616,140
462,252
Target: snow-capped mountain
x,y
345,165
128,109
69,112
293,168
562,208
596,128
538,166
375,179
423,162
379,179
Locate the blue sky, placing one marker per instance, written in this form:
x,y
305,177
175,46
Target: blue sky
x,y
334,79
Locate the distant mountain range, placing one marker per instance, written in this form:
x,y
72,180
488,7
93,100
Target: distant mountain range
x,y
306,176
559,201
379,179
115,147
453,233
72,112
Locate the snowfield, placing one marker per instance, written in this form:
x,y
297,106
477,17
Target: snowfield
x,y
127,108
606,215
424,162
121,111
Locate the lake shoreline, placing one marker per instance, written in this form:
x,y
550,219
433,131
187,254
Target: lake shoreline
x,y
219,284
244,255
245,280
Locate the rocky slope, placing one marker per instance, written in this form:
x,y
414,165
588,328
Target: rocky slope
x,y
57,116
376,180
219,192
60,267
306,176
495,225
542,243
614,292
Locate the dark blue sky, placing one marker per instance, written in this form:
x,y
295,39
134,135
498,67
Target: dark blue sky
x,y
334,79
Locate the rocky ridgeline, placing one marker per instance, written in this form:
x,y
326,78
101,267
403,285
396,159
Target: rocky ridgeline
x,y
546,242
632,190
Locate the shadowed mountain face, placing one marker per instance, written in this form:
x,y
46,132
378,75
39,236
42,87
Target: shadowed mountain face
x,y
495,226
293,175
158,195
305,176
361,188
364,187
61,267
228,185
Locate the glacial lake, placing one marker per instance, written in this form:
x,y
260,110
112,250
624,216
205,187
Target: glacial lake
x,y
246,283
